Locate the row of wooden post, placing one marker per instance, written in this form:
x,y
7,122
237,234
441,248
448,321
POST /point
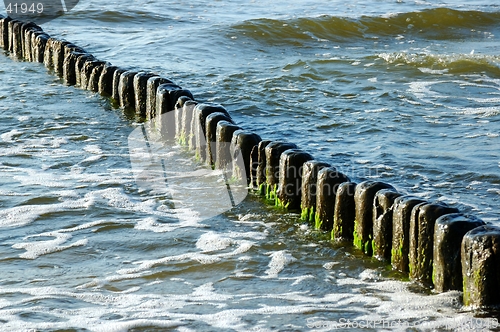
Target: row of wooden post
x,y
435,244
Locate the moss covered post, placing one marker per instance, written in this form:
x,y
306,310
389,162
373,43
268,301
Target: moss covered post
x,y
421,254
345,212
481,267
382,223
401,217
363,223
328,182
288,193
449,231
273,154
309,187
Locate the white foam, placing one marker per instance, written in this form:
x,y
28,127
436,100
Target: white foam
x,y
36,249
378,110
478,111
212,242
136,323
433,71
94,149
45,179
56,142
9,136
279,260
485,100
151,223
68,193
39,248
379,300
298,280
25,214
330,265
369,274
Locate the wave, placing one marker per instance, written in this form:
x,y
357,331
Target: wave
x,y
438,23
118,16
452,64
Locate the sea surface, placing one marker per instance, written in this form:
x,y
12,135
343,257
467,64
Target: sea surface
x,y
406,92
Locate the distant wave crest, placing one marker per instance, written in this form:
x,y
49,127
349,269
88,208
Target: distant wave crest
x,y
453,64
439,23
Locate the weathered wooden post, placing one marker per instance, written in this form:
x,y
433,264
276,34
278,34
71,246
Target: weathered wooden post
x,y
345,212
126,92
447,263
186,137
48,60
211,134
273,153
80,62
329,179
106,80
383,223
224,136
309,188
115,95
58,47
401,218
4,32
290,178
166,98
140,88
260,172
363,224
39,42
151,87
69,66
243,143
198,126
422,239
95,75
481,267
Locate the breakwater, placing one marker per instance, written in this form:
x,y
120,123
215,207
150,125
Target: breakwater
x,y
362,213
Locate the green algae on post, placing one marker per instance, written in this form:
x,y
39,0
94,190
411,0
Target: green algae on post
x,y
328,182
345,212
167,95
224,135
273,153
480,254
363,226
448,234
383,223
186,136
401,218
422,223
309,188
260,171
211,134
290,178
243,142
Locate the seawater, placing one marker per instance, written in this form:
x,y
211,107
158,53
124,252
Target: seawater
x,y
398,91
